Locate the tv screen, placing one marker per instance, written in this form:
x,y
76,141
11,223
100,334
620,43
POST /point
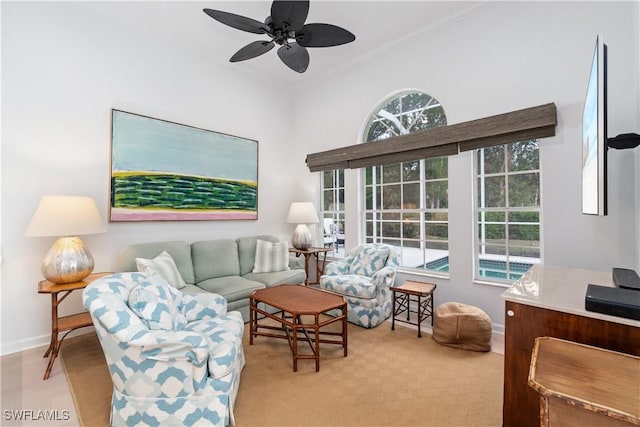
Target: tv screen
x,y
594,136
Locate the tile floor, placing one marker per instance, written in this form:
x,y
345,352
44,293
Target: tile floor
x,y
26,399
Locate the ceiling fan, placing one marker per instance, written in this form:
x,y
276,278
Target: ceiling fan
x,y
287,29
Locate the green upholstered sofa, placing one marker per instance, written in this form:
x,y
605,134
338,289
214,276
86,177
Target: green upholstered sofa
x,y
222,266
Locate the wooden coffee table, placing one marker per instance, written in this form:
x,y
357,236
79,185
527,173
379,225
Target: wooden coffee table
x,y
293,302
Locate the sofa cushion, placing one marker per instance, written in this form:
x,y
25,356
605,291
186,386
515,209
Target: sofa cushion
x,y
232,288
278,277
165,266
215,258
247,251
157,304
271,257
369,259
180,251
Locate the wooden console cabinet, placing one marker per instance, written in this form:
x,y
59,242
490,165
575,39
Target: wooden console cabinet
x,y
549,301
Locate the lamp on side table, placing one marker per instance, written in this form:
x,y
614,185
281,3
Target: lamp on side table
x,y
302,213
68,260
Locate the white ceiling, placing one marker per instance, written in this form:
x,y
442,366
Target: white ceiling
x,y
377,25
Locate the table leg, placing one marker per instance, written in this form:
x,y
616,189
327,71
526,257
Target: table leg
x,y
431,305
252,320
54,345
294,340
344,329
52,358
320,267
306,268
317,343
393,311
420,312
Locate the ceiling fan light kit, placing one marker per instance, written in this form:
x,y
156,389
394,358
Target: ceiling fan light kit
x,y
286,27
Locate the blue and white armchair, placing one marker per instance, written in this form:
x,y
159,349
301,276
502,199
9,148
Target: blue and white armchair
x,y
364,277
175,359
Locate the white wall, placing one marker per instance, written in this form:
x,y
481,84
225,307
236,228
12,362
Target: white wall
x,y
504,57
64,66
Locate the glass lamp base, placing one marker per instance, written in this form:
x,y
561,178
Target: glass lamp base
x,y
301,238
67,261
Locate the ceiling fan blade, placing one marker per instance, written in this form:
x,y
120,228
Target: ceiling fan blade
x,y
294,56
323,35
239,22
289,14
252,50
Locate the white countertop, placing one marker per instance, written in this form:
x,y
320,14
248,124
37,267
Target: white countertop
x,y
561,289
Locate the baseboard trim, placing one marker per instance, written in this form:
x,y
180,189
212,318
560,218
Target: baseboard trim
x,y
35,342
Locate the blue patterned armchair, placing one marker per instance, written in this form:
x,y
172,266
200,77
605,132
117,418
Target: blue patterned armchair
x,y
364,277
175,359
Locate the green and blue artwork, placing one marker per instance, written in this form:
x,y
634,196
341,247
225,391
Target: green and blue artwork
x,y
165,171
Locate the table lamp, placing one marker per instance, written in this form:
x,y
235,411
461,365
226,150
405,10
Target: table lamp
x,y
68,260
302,213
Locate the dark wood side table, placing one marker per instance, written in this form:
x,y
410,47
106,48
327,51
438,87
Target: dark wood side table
x,y
320,263
65,323
402,302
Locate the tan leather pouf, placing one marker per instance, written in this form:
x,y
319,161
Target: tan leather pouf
x,y
462,326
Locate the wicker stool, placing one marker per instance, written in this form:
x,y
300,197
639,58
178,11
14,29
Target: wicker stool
x,y
462,326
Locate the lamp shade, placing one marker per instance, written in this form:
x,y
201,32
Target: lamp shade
x,y
66,216
302,213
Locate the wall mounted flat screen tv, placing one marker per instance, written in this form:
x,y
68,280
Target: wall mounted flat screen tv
x,y
594,136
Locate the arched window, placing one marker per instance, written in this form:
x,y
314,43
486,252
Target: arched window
x,y
406,204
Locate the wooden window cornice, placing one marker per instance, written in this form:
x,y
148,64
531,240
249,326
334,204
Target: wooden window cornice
x,y
528,123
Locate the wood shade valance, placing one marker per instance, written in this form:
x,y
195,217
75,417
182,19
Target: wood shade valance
x,y
529,123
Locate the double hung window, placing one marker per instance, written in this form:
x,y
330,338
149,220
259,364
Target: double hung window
x,y
508,210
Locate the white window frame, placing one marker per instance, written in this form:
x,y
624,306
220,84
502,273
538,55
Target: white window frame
x,y
337,214
375,216
479,211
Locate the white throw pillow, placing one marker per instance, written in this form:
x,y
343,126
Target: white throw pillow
x,y
165,266
271,257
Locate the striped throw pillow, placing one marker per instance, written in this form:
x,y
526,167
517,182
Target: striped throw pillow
x,y
271,257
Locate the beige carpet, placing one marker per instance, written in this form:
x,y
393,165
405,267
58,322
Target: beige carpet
x,y
390,378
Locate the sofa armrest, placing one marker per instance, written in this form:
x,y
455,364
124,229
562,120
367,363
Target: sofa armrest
x,y
179,352
199,306
384,277
174,346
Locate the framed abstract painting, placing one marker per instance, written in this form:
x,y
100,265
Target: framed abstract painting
x,y
165,171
